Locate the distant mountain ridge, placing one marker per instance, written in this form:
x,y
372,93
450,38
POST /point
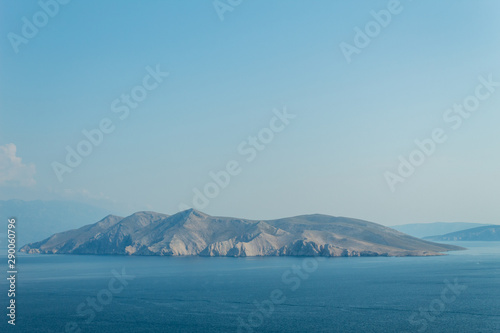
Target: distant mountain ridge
x,y
39,219
486,233
194,233
422,230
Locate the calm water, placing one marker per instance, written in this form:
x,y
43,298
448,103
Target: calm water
x,y
292,294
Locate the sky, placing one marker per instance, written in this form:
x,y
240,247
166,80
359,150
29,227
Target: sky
x,y
255,109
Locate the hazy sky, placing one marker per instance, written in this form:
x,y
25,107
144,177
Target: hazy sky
x,y
227,81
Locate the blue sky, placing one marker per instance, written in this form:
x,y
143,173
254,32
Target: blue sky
x,y
353,120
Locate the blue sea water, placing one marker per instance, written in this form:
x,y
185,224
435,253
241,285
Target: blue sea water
x,y
55,293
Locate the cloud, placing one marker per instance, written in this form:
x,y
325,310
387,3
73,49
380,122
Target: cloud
x,y
12,169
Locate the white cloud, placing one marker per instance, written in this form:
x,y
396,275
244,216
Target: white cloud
x,y
12,169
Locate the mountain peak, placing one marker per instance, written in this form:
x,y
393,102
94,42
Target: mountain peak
x,y
193,212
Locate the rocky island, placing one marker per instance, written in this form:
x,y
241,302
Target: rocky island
x,y
193,233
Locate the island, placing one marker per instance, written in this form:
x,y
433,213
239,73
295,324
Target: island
x,y
193,233
486,233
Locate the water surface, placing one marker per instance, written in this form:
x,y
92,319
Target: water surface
x,y
193,294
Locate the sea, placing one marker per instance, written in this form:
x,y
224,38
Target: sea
x,y
457,292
